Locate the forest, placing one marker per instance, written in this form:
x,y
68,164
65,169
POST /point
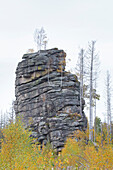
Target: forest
x,y
19,151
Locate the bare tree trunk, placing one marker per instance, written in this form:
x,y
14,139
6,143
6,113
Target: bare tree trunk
x,y
45,44
1,120
91,88
110,121
91,62
101,135
12,113
81,79
95,114
108,107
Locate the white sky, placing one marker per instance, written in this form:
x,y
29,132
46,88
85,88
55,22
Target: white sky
x,y
69,24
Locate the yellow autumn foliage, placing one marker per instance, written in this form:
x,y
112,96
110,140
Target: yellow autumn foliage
x,y
18,153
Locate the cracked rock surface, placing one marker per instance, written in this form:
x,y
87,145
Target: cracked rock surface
x,y
48,97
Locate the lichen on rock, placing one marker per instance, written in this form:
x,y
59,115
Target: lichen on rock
x,y
48,95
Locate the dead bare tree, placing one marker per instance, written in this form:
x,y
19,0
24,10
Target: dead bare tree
x,y
80,72
11,113
108,97
1,120
92,66
96,96
45,44
87,71
91,50
81,78
40,38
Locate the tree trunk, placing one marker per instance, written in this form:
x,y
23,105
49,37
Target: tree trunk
x,y
108,107
91,87
81,80
95,113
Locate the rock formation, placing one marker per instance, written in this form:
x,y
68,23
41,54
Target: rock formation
x,y
48,96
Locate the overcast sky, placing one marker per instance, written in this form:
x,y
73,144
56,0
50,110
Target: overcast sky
x,y
69,24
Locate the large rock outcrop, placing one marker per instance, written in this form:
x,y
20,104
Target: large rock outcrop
x,y
48,97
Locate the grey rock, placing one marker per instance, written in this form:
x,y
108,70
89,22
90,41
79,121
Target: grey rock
x,y
34,134
49,97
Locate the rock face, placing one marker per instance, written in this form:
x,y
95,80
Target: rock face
x,y
48,97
